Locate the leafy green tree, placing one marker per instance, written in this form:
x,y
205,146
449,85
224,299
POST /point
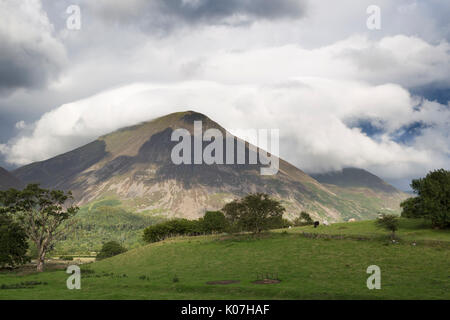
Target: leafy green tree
x,y
110,249
214,221
42,213
13,242
411,208
233,212
255,212
388,222
304,219
433,199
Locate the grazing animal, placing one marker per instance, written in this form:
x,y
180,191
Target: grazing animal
x,y
325,223
352,220
316,223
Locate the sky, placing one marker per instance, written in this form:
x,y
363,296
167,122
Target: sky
x,y
341,93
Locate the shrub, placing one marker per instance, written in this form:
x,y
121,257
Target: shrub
x,y
389,222
110,249
172,228
66,258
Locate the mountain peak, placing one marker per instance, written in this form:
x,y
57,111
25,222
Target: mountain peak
x,y
134,166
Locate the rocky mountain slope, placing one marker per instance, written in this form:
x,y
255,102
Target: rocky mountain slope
x,y
133,166
8,180
362,187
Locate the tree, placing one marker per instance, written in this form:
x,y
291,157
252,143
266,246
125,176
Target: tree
x,y
411,208
304,219
214,221
42,214
433,199
13,243
388,222
111,249
253,213
233,211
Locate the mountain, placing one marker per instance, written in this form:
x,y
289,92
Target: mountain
x,y
7,180
362,186
354,178
133,168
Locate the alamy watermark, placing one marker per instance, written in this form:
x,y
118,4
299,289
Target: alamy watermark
x,y
374,281
74,281
73,22
373,22
235,148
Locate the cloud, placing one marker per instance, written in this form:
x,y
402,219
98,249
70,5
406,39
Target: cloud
x,y
30,56
409,61
310,113
313,70
167,14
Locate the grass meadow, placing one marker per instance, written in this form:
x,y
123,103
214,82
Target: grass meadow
x,y
307,267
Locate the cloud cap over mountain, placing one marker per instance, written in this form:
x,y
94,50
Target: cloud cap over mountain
x,y
344,95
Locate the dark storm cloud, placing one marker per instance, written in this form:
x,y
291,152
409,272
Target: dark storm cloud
x,y
168,14
22,67
215,10
30,55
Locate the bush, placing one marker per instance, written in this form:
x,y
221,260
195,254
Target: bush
x,y
389,222
66,258
110,249
172,228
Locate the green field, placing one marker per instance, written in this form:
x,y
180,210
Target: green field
x,y
410,230
309,268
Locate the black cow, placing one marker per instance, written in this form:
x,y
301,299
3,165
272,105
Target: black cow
x,y
316,223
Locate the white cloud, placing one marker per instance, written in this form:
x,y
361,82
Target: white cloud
x,y
309,112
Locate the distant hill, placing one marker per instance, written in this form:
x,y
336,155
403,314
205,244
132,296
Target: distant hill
x,y
354,177
8,180
363,187
133,165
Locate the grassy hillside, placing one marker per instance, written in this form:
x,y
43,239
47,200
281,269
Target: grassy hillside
x,y
409,230
308,269
102,221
